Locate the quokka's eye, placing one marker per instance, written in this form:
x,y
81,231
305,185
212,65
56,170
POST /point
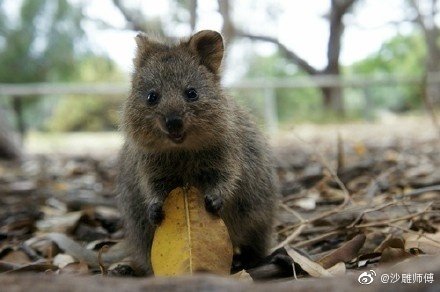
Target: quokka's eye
x,y
191,94
152,97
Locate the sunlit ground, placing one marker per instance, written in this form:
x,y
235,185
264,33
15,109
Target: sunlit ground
x,y
385,131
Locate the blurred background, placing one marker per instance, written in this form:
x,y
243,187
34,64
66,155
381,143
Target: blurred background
x,y
65,64
348,91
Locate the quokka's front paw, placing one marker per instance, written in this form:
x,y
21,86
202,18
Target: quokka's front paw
x,y
213,203
155,214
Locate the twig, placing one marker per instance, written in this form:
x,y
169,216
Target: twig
x,y
297,232
327,166
335,177
340,154
338,209
291,237
377,208
429,106
317,239
414,232
435,188
389,221
293,212
103,269
373,187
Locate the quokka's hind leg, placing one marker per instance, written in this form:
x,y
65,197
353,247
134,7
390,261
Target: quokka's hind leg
x,y
253,250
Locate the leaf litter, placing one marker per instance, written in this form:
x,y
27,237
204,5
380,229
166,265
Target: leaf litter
x,y
344,205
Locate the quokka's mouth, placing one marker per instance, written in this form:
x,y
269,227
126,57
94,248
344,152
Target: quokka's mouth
x,y
176,137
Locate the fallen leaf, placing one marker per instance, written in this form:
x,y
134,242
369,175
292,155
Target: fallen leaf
x,y
190,239
338,269
61,260
308,203
80,268
59,223
429,243
393,242
6,266
391,254
34,267
392,249
79,252
312,268
43,246
360,148
17,257
344,253
242,276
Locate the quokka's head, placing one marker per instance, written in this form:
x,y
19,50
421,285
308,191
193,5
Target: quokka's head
x,y
176,100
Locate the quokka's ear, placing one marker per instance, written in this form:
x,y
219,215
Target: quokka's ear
x,y
208,46
145,47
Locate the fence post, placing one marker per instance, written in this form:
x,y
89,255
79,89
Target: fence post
x,y
369,104
270,111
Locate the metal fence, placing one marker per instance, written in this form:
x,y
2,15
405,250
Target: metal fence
x,y
265,87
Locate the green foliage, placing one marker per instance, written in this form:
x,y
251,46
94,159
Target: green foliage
x,y
402,55
43,44
85,113
293,105
88,113
46,43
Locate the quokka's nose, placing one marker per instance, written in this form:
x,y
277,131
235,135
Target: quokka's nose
x,y
174,124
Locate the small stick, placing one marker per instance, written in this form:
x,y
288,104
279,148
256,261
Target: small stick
x,y
416,192
389,221
414,232
377,208
340,154
102,250
317,239
294,234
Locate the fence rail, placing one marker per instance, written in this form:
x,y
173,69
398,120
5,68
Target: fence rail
x,y
33,89
268,87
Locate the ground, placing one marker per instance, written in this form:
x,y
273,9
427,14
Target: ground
x,y
368,191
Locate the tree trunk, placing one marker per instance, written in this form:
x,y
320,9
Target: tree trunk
x,y
431,31
433,67
9,148
17,104
193,14
333,101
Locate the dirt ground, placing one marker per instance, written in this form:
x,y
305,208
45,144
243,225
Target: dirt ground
x,y
354,196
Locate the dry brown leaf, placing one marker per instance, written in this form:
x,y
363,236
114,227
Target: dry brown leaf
x,y
392,249
43,246
360,148
80,268
390,254
344,253
17,257
393,242
81,253
429,243
338,269
242,276
312,268
34,267
190,239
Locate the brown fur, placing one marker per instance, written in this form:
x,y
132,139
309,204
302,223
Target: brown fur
x,y
222,152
